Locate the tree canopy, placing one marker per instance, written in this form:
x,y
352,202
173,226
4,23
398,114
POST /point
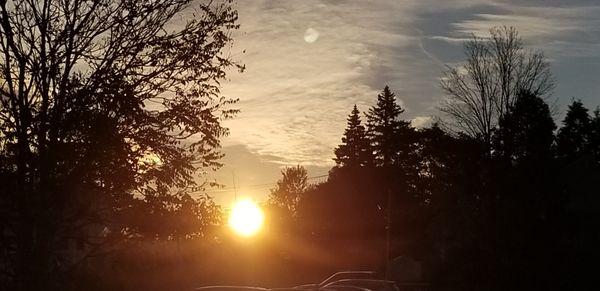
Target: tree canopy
x,y
485,88
572,139
526,131
385,128
355,150
104,104
289,189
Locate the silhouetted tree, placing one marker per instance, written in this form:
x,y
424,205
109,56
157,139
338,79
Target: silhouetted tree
x,y
290,188
572,139
577,144
97,101
485,88
386,130
594,139
453,184
526,132
523,178
355,150
483,96
174,217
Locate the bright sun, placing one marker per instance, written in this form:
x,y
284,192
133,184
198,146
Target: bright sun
x,y
246,218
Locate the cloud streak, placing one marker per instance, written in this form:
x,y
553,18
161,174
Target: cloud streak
x,y
295,95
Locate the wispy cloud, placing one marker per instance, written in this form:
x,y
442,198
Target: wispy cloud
x,y
557,30
295,95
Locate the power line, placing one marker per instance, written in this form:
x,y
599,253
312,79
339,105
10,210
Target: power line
x,y
257,186
320,176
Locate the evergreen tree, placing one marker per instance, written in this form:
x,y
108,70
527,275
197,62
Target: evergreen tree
x,y
594,138
388,133
572,139
355,150
526,132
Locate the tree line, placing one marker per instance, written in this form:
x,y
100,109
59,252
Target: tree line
x,y
493,196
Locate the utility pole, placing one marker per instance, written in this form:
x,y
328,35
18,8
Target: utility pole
x,y
234,187
388,229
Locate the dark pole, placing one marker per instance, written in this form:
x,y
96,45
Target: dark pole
x,y
388,228
234,187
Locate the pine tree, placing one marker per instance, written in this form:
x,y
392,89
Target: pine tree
x,y
355,150
390,136
527,131
572,139
594,135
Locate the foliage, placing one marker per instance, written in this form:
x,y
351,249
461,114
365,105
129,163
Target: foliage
x,y
387,132
355,150
174,217
486,87
104,105
527,131
290,188
572,139
594,135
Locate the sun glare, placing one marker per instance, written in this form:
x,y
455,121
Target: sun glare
x,y
246,217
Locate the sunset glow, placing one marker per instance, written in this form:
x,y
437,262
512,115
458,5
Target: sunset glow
x,y
246,218
316,145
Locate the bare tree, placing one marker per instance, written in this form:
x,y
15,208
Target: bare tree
x,y
97,99
485,88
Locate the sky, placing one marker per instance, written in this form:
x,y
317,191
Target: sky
x,y
308,62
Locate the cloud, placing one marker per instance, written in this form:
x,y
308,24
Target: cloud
x,y
421,121
295,96
556,30
551,3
